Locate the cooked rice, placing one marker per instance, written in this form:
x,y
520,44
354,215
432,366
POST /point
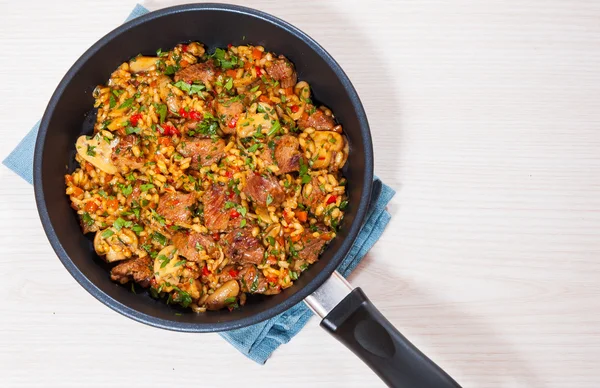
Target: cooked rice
x,y
145,150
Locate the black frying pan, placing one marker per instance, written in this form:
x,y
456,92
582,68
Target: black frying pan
x,y
347,314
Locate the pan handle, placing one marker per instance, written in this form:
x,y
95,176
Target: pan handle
x,y
356,323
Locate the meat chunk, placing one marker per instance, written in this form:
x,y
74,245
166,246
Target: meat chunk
x,y
216,217
239,246
123,156
138,270
176,207
203,72
189,244
309,246
228,111
318,120
263,190
283,71
316,196
203,152
285,154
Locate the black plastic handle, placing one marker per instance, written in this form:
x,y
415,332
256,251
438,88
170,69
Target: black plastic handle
x,y
356,323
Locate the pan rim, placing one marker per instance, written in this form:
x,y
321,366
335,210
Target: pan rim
x,y
200,327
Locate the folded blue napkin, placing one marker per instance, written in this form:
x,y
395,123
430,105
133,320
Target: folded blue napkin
x,y
260,340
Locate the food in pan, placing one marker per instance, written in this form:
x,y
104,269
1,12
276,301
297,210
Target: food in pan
x,y
209,176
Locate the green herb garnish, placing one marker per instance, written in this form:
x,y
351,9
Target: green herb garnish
x,y
127,103
120,223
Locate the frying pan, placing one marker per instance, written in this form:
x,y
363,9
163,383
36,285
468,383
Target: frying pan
x,y
346,313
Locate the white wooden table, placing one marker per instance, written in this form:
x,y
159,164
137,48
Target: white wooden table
x,y
485,118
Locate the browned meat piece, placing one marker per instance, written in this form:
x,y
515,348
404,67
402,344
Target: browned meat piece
x,y
204,72
239,246
203,152
318,120
285,154
316,196
216,217
310,247
282,70
176,207
123,157
228,112
138,269
188,245
263,190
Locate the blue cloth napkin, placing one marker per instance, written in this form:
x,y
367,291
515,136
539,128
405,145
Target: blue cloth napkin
x,y
259,341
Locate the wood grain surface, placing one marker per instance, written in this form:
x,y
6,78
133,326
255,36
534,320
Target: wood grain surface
x,y
485,118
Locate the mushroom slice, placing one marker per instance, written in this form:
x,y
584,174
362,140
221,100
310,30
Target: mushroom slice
x,y
97,151
141,63
263,120
114,244
330,150
167,268
224,295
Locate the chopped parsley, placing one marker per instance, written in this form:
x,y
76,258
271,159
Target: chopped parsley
x,y
164,260
269,199
274,128
161,109
219,58
127,103
129,130
160,219
107,233
112,101
120,223
162,240
146,187
126,190
91,150
190,88
137,229
254,285
170,69
254,147
304,172
208,126
87,219
229,83
181,297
